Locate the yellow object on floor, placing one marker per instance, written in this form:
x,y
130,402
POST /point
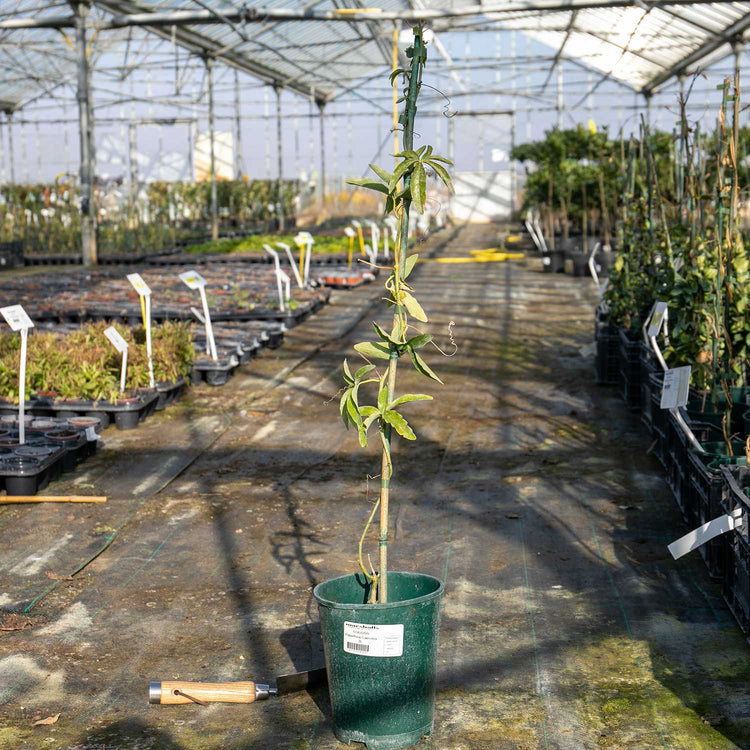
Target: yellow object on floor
x,y
491,257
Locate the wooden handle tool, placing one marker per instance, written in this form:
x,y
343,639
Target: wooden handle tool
x,y
52,499
176,692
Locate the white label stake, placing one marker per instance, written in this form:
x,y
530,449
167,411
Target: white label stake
x,y
144,292
18,320
705,533
592,267
193,280
122,346
373,640
676,387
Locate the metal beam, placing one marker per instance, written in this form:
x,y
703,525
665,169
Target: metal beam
x,y
88,215
727,36
212,149
199,43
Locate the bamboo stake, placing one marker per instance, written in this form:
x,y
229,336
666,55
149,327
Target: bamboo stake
x,y
53,499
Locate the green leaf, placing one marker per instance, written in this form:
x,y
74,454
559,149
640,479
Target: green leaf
x,y
383,398
442,159
409,397
421,150
418,187
373,350
396,73
399,424
385,176
353,412
442,173
417,342
342,407
428,152
363,436
409,264
421,366
383,335
363,371
401,169
368,411
408,155
387,452
347,374
413,307
368,184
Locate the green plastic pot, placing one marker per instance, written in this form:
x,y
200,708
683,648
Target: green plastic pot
x,y
385,701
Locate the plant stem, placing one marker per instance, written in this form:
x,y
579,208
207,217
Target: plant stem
x,y
398,258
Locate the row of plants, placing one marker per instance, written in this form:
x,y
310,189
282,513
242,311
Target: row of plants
x,y
47,217
324,244
690,253
84,365
575,177
681,243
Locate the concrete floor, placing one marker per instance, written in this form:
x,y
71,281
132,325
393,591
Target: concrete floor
x,y
566,624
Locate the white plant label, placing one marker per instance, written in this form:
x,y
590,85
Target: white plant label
x,y
657,319
91,435
676,387
16,317
116,340
705,533
192,279
349,232
139,284
373,640
603,288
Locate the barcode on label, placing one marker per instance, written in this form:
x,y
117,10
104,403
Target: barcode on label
x,y
358,647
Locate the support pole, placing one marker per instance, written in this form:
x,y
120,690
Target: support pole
x,y
238,129
212,136
133,168
737,47
559,95
280,158
647,97
11,154
322,122
88,219
513,174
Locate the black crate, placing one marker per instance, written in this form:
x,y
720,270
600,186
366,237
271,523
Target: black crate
x,y
677,462
11,254
630,368
658,418
736,545
707,484
607,356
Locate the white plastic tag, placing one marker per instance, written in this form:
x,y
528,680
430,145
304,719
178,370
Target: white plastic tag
x,y
705,533
91,435
139,284
192,279
16,317
676,387
603,288
116,340
198,314
657,319
373,640
349,232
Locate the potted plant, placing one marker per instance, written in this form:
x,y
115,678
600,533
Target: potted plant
x,y
380,629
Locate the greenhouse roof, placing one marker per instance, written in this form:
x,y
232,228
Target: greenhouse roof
x,y
320,47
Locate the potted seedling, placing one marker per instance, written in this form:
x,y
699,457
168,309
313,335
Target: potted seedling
x,y
380,629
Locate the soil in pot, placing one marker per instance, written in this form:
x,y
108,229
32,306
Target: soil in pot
x,y
62,436
381,658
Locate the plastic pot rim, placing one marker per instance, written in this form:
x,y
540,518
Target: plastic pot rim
x,y
325,602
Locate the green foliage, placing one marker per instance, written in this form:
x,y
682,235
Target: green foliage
x,y
84,364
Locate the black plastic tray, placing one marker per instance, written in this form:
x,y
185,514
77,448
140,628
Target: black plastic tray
x,y
214,373
20,476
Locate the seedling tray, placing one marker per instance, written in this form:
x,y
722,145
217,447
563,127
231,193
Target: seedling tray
x,y
168,393
126,416
214,373
26,475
